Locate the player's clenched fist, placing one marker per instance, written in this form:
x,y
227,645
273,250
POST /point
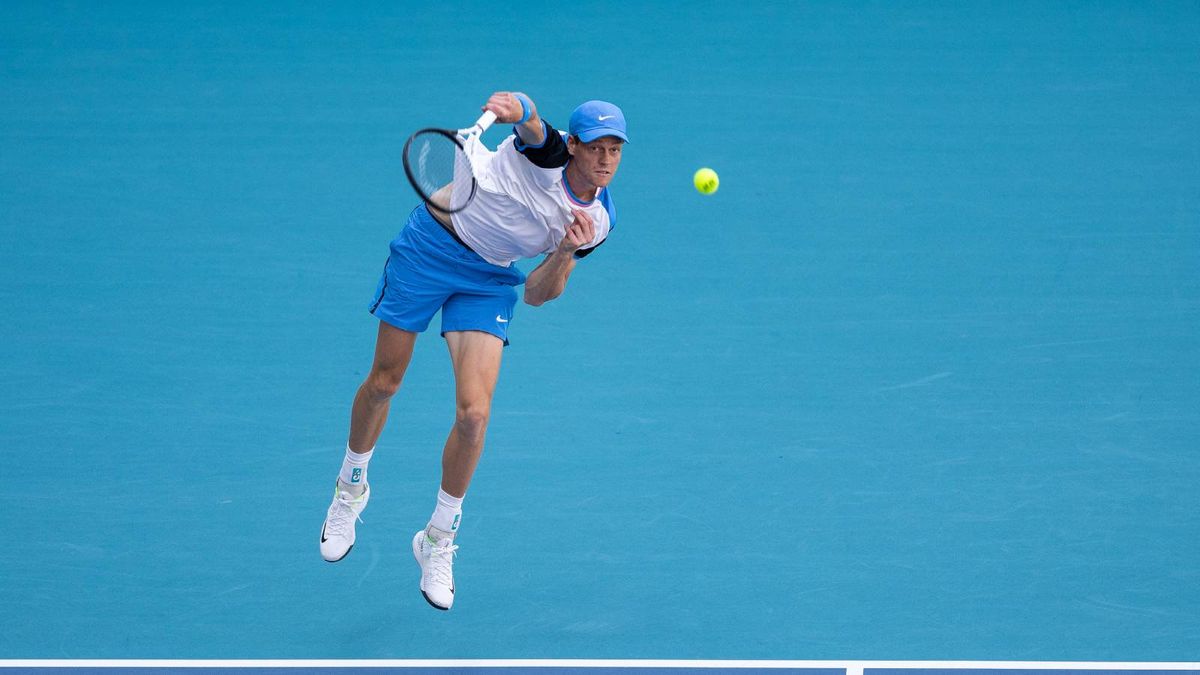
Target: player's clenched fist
x,y
580,232
511,107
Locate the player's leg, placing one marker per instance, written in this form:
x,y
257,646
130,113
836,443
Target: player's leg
x,y
475,322
393,352
476,359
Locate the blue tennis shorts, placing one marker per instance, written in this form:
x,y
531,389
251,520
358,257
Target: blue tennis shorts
x,y
428,270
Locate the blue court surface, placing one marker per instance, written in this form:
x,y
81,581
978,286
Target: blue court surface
x,y
921,381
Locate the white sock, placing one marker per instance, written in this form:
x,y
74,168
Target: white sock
x,y
448,514
354,467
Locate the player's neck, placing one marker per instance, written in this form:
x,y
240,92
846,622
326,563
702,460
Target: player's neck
x,y
578,185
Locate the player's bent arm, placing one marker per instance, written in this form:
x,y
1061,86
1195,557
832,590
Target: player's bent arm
x,y
549,279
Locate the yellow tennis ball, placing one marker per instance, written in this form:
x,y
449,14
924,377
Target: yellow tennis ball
x,y
706,181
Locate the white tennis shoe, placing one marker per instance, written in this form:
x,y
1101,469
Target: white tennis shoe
x,y
434,551
337,534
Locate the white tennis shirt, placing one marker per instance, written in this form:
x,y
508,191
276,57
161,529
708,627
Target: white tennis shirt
x,y
522,210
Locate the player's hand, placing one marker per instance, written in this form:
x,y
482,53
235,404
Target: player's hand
x,y
580,232
507,108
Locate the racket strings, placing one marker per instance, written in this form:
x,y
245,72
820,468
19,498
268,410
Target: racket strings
x,y
440,170
464,183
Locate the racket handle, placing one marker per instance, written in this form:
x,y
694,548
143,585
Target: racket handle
x,y
487,119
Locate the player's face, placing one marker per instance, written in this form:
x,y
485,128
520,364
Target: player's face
x,y
597,161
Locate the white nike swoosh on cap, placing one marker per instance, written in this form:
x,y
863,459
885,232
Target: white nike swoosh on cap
x,y
605,117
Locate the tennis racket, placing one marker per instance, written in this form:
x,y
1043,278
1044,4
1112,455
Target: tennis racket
x,y
439,168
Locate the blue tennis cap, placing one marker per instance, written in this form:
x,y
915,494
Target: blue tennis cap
x,y
596,119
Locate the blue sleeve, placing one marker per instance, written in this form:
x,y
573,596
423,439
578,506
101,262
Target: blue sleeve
x,y
607,202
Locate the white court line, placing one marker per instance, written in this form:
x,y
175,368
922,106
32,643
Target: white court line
x,y
851,667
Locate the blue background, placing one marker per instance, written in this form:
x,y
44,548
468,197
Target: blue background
x,y
919,382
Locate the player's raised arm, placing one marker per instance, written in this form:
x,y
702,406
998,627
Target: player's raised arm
x,y
513,107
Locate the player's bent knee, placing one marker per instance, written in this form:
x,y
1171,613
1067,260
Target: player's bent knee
x,y
383,384
472,419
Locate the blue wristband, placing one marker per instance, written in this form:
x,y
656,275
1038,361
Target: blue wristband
x,y
526,108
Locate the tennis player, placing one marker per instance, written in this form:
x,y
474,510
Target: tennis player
x,y
541,192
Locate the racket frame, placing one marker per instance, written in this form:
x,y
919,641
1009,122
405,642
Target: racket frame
x,y
459,137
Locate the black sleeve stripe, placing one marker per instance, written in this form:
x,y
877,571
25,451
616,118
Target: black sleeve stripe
x,y
551,154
